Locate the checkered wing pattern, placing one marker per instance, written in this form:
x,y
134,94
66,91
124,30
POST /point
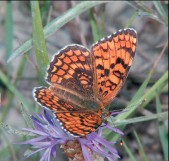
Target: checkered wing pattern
x,y
112,59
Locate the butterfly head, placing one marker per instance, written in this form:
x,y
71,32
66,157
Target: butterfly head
x,y
104,114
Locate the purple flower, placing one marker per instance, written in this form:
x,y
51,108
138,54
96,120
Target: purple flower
x,y
48,134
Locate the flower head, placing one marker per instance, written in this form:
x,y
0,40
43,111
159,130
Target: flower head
x,y
48,135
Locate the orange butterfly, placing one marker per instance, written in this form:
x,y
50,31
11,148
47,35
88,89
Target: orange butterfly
x,y
83,82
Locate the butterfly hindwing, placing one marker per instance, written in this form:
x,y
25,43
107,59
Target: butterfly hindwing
x,y
72,119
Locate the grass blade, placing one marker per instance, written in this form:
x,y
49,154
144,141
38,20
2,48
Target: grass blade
x,y
158,86
141,149
144,10
95,29
10,95
131,19
20,69
38,39
27,117
56,24
161,10
10,147
10,130
132,158
8,33
45,8
12,88
137,98
161,115
162,131
140,96
147,97
103,16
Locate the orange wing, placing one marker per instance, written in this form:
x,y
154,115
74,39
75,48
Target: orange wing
x,y
70,74
72,119
112,59
81,82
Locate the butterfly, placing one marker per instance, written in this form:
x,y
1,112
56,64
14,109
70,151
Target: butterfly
x,y
83,82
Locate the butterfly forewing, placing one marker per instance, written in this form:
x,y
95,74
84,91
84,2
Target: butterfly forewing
x,y
71,77
112,59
